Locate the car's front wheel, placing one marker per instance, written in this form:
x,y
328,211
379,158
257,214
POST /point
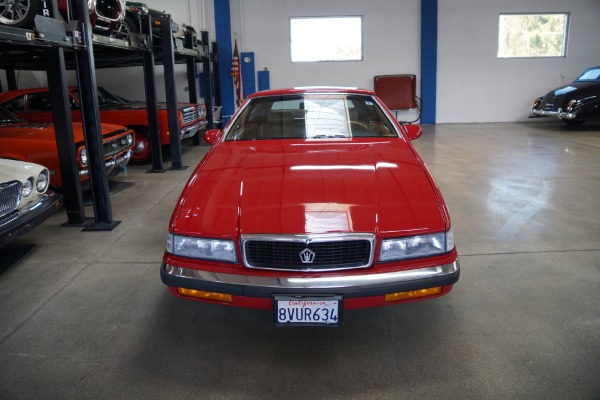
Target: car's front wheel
x,y
141,150
18,13
124,29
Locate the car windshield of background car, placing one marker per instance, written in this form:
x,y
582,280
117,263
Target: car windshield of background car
x,y
590,75
6,117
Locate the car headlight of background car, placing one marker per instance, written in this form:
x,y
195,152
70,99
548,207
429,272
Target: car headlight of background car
x,y
42,181
83,156
27,188
572,104
416,246
205,249
127,140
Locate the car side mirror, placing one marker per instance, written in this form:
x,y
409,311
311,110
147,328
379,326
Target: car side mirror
x,y
414,131
211,136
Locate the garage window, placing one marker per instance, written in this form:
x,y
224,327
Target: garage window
x,y
533,35
326,39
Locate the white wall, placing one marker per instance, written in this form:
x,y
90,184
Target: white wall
x,y
391,31
473,85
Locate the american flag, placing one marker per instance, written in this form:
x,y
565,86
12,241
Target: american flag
x,y
236,73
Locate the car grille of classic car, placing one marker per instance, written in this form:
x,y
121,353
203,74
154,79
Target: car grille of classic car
x,y
302,254
10,197
116,145
189,114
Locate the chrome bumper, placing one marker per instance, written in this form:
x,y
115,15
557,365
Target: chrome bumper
x,y
534,112
355,286
117,161
22,221
189,131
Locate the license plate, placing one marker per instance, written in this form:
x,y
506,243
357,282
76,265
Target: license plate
x,y
308,310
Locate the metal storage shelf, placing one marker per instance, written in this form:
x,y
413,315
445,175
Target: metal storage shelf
x,y
55,46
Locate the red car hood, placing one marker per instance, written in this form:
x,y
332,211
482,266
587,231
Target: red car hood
x,y
290,187
45,131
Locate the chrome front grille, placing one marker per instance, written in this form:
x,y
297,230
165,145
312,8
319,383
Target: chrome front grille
x,y
308,252
10,197
189,114
115,145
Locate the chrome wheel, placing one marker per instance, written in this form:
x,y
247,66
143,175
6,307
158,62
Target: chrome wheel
x,y
17,12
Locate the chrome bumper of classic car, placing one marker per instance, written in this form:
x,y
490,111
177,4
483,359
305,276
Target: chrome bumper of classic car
x,y
349,286
117,161
189,131
22,221
534,112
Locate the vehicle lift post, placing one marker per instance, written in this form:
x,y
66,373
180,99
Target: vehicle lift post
x,y
90,115
169,67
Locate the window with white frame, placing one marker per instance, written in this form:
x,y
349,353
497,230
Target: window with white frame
x,y
326,39
533,35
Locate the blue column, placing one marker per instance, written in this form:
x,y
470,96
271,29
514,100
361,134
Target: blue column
x,y
264,81
248,73
223,34
429,31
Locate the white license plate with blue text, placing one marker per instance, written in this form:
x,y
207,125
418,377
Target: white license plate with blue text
x,y
299,310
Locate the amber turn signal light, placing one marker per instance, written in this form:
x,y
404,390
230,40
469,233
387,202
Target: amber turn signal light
x,y
413,294
200,294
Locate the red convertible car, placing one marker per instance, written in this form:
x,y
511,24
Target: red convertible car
x,y
311,201
36,143
34,105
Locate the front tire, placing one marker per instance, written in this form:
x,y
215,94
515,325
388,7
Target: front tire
x,y
141,151
18,13
127,27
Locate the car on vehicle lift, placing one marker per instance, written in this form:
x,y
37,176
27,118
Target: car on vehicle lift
x,y
311,201
105,15
131,23
34,105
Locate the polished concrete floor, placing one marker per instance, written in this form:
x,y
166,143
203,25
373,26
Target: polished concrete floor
x,y
85,316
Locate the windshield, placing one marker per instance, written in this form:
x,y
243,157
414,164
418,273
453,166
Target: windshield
x,y
105,98
7,117
591,74
311,116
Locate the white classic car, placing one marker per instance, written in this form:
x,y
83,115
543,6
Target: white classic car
x,y
24,202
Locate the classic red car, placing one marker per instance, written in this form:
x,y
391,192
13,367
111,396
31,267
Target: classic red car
x,y
34,105
311,201
35,142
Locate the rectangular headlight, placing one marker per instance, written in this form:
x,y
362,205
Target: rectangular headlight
x,y
416,246
205,249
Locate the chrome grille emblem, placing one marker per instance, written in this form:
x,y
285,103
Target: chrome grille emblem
x,y
307,256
